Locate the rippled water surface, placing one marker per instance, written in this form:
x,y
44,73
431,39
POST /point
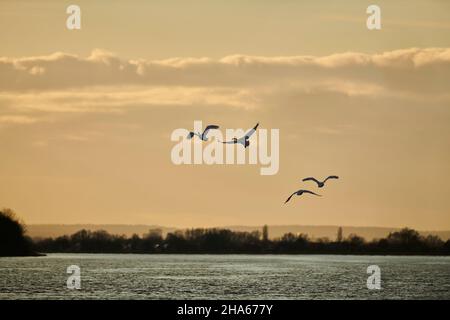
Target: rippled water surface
x,y
120,276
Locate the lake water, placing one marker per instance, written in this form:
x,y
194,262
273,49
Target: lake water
x,y
120,276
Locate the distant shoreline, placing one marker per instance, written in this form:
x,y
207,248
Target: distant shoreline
x,y
314,231
14,241
250,253
31,254
224,241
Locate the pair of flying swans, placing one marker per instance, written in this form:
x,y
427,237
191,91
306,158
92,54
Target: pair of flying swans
x,y
243,140
320,184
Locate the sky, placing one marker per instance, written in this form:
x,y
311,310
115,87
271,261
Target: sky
x,y
86,115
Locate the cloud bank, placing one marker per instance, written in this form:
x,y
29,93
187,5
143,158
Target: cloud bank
x,y
408,69
103,82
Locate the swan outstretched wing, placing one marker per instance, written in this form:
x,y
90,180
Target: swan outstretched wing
x,y
247,135
289,197
331,177
251,131
307,191
312,179
210,127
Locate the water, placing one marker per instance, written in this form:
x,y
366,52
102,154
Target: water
x,y
120,276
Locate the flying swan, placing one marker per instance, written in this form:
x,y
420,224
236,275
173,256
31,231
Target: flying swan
x,y
320,184
202,136
244,140
299,193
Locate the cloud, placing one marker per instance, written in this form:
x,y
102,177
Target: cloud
x,y
17,119
117,99
409,70
104,83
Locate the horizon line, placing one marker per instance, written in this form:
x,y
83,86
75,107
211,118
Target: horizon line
x,y
236,225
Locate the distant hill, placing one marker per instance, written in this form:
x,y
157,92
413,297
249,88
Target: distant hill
x,y
314,232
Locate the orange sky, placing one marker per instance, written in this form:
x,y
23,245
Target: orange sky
x,y
86,116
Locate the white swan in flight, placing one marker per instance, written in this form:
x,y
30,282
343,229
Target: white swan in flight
x,y
299,193
244,140
320,184
202,136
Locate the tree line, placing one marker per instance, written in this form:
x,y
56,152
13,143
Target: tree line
x,y
223,241
15,242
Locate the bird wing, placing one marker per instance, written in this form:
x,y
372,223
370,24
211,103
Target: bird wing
x,y
248,135
251,131
210,127
289,197
312,179
307,191
331,177
242,139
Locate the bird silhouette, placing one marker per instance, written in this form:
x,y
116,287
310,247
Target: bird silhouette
x,y
320,184
244,140
299,193
203,136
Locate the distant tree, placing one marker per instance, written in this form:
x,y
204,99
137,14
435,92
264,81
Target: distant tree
x,y
339,236
289,237
13,241
265,233
134,243
154,235
404,236
254,234
355,240
292,243
446,247
152,240
433,241
323,240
